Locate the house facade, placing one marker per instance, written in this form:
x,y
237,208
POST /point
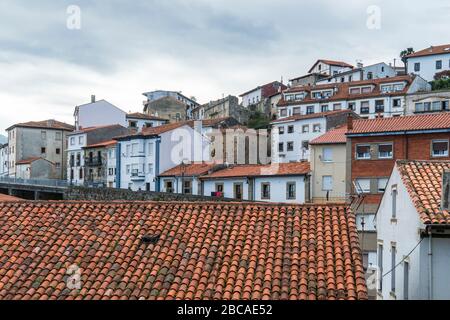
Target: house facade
x,y
373,146
35,168
111,166
368,98
428,102
78,140
185,178
4,159
291,135
144,155
138,121
222,108
329,67
328,166
412,233
99,166
427,62
171,105
255,99
39,139
279,183
98,113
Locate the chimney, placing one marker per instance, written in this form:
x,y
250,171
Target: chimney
x,y
93,98
350,122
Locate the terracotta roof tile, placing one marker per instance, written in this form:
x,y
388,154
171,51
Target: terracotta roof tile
x,y
423,180
154,131
399,124
334,136
144,116
192,169
29,160
204,251
332,63
250,170
4,198
441,49
45,124
108,143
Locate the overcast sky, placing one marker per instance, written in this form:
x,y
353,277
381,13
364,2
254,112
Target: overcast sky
x,y
203,48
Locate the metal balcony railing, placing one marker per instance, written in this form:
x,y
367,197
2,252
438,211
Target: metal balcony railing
x,y
94,162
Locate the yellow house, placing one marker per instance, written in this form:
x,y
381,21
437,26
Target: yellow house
x,y
328,166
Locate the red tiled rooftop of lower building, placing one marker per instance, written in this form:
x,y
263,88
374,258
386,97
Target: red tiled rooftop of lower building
x,y
201,251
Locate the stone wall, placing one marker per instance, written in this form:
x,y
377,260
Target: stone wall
x,y
109,194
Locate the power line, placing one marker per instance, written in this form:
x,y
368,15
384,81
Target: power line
x,y
402,259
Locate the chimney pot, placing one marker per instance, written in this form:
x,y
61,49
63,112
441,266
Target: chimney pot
x,y
93,98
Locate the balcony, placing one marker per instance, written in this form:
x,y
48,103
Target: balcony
x,y
93,162
137,176
379,108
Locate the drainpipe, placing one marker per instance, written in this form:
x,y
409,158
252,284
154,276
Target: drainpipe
x,y
118,164
430,265
158,142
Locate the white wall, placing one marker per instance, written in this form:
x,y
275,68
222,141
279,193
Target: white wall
x,y
210,186
251,98
23,171
4,160
405,234
75,145
278,190
296,137
111,167
428,65
177,183
100,113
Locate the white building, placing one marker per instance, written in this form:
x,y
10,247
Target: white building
x,y
78,140
374,71
428,102
260,93
111,165
329,67
368,98
279,183
291,135
146,154
185,178
98,113
4,160
427,62
413,233
139,121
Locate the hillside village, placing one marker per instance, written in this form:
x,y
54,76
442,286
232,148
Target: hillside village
x,y
343,174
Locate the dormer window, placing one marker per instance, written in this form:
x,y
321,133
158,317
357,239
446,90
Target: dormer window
x,y
355,90
366,89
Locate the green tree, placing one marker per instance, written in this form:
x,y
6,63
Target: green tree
x,y
404,53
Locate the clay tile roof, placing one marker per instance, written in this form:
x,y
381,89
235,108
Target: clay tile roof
x,y
268,90
156,250
192,169
108,143
253,170
6,198
423,180
143,116
154,131
399,124
45,124
331,63
433,50
337,135
29,160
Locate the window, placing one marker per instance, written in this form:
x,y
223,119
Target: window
x,y
187,187
355,90
80,174
72,141
316,128
305,145
265,190
168,186
80,140
417,66
296,110
43,150
134,149
337,106
393,254
438,64
58,151
385,151
405,280
58,136
394,201
44,135
283,112
351,106
369,75
366,89
290,146
362,185
365,109
309,109
396,103
280,147
150,168
382,182
219,187
362,152
324,108
280,130
133,124
380,266
305,128
290,191
379,105
58,165
439,148
290,129
150,149
327,183
327,154
238,191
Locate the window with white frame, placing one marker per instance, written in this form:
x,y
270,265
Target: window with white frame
x,y
150,148
363,151
362,185
305,128
385,151
290,146
327,183
439,148
327,154
290,191
280,130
